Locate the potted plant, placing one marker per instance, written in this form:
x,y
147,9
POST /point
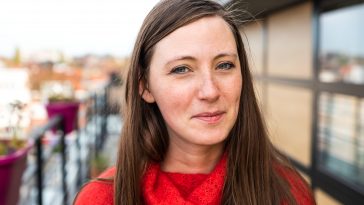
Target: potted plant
x,y
13,156
61,102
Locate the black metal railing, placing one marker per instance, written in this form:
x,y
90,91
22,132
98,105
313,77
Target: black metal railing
x,y
100,107
37,135
43,154
88,146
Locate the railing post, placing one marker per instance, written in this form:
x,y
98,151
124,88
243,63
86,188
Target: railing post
x,y
37,135
96,140
104,115
79,162
63,161
39,153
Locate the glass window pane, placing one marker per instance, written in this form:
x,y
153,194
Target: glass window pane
x,y
361,142
342,45
341,147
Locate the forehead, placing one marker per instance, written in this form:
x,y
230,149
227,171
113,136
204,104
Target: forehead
x,y
208,36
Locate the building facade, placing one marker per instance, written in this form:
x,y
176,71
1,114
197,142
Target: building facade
x,y
307,59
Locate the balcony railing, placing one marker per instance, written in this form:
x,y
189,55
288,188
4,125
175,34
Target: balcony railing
x,y
59,164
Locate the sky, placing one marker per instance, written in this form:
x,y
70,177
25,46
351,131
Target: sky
x,y
75,27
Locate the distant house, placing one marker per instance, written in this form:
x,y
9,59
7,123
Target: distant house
x,y
14,85
2,64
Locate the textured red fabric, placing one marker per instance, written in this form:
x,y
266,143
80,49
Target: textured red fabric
x,y
173,188
181,189
299,188
97,192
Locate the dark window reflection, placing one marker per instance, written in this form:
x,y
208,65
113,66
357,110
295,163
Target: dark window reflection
x,y
341,137
342,45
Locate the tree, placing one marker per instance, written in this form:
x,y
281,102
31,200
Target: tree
x,y
61,57
17,56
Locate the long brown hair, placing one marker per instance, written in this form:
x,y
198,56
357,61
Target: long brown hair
x,y
250,177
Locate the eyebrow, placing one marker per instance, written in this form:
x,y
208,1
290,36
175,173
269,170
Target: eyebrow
x,y
193,58
225,54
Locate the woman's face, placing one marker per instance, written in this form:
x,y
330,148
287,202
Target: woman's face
x,y
195,79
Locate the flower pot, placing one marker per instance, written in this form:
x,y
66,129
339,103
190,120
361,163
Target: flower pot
x,y
69,111
12,167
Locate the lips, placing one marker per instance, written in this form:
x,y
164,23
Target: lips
x,y
210,117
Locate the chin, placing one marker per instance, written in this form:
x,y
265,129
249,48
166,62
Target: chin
x,y
209,140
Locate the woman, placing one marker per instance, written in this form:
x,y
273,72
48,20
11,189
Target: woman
x,y
193,132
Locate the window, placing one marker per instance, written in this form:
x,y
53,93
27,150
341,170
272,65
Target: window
x,y
342,46
341,137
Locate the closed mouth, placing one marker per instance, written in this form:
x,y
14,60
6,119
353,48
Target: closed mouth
x,y
209,117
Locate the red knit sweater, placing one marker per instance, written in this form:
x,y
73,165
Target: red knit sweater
x,y
165,188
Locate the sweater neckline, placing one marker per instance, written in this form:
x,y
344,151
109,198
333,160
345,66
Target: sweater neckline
x,y
160,187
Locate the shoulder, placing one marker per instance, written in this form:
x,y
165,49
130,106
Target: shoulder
x,y
299,187
98,191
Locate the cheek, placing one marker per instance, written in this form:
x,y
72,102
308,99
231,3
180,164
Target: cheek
x,y
172,108
232,89
172,99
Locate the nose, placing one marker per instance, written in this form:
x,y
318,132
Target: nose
x,y
209,90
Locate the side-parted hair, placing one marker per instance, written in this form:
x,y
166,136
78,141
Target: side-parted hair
x,y
251,177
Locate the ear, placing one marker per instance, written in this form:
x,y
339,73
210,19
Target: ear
x,y
145,93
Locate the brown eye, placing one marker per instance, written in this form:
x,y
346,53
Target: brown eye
x,y
225,66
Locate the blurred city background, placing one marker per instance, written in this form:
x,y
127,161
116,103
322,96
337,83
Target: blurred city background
x,y
62,71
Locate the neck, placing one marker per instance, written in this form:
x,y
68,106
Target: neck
x,y
192,159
